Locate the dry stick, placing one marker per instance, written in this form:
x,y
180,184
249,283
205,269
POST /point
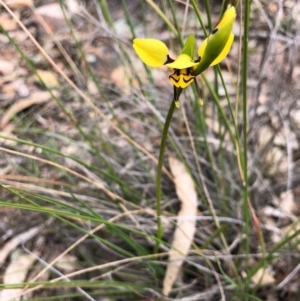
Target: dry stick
x,y
80,93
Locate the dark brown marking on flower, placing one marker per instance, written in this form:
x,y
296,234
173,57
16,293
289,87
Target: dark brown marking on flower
x,y
174,78
169,60
188,80
214,31
187,77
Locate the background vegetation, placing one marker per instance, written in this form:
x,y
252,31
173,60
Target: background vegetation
x,y
81,125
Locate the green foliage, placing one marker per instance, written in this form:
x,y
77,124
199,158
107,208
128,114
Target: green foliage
x,y
99,169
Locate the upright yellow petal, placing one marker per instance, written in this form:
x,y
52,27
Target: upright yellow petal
x,y
201,48
225,51
151,51
228,17
214,49
226,21
182,62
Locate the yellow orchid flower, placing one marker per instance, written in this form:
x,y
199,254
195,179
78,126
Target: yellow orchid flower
x,y
154,53
212,51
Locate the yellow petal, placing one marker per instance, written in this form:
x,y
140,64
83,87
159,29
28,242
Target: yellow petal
x,y
152,52
228,17
201,48
224,52
181,78
214,49
226,21
182,62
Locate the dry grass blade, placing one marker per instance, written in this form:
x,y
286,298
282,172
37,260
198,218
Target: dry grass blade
x,y
186,222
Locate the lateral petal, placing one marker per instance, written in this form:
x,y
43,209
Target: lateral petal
x,y
225,51
152,52
202,47
214,49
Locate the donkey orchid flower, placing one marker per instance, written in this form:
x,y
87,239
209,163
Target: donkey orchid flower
x,y
212,51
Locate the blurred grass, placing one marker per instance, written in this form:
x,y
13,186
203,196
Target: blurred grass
x,y
106,163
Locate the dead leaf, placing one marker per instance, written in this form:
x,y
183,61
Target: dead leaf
x,y
265,136
186,223
36,98
17,4
120,79
6,67
52,16
48,77
92,87
52,10
9,91
287,202
295,114
7,132
263,277
7,22
73,7
68,263
16,273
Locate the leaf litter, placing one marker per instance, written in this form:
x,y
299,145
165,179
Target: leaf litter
x,y
271,155
185,225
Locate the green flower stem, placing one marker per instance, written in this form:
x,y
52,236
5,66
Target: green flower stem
x,y
245,130
247,204
159,174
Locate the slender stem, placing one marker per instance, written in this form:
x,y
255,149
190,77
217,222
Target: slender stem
x,y
207,9
197,12
176,23
247,204
248,208
159,174
244,81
